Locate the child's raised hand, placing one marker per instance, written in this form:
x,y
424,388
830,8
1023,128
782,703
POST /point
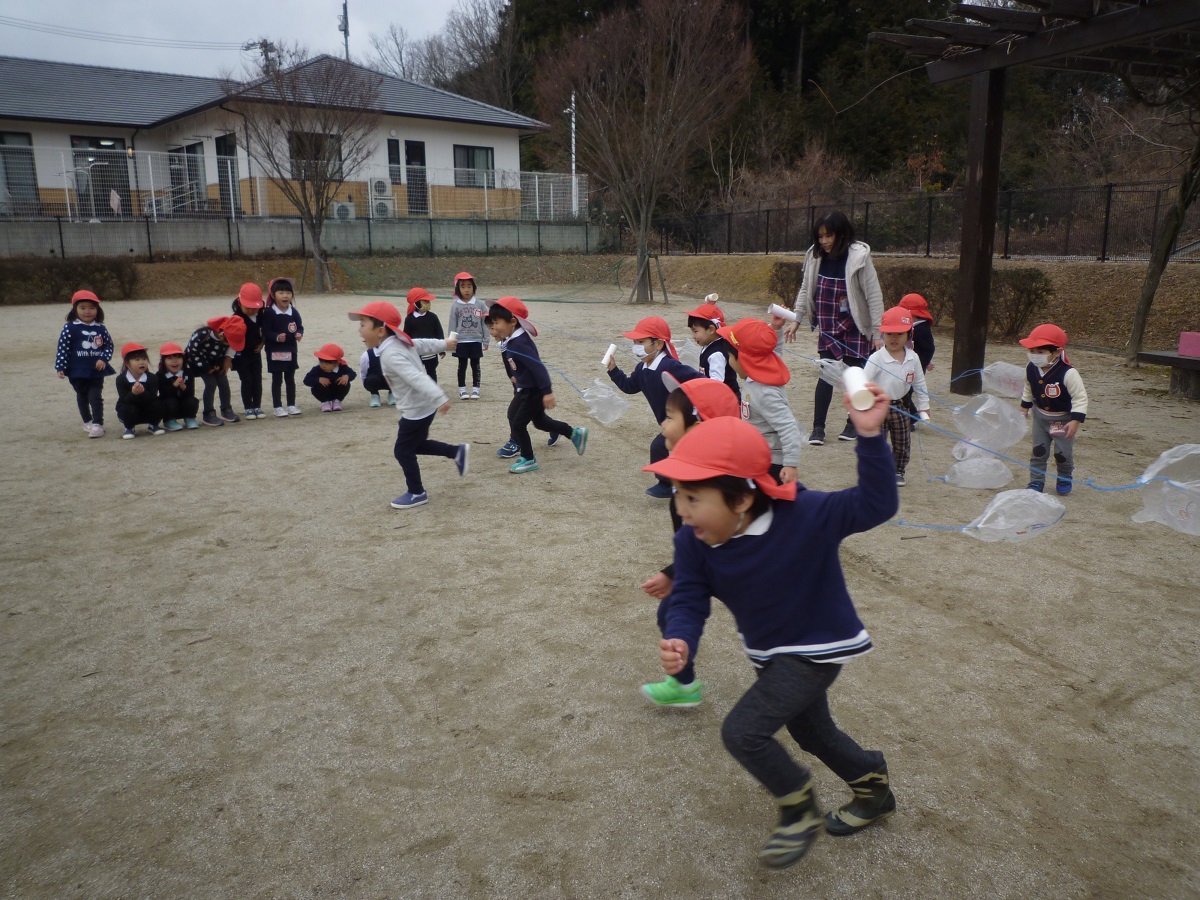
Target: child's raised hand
x,y
869,422
777,322
137,388
548,401
658,586
673,654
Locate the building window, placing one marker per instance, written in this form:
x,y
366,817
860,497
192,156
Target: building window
x,y
474,167
100,171
395,168
18,175
315,154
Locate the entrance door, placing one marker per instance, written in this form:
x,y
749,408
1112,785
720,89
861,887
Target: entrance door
x,y
228,188
100,169
414,173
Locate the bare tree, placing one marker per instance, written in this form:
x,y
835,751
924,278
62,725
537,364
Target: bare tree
x,y
426,61
652,86
484,39
310,125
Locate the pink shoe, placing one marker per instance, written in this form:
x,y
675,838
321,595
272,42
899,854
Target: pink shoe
x,y
96,431
326,406
337,405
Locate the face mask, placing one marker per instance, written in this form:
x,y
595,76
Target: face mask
x,y
1039,359
639,351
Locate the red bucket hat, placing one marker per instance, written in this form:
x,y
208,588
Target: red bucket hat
x,y
331,353
709,311
415,296
710,398
84,295
233,328
917,305
754,341
385,313
723,446
250,296
896,320
1045,336
131,347
169,349
520,310
653,327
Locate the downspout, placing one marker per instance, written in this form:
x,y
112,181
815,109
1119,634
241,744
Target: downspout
x,y
137,184
249,158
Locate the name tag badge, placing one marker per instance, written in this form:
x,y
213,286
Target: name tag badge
x,y
908,378
281,356
843,305
1053,390
745,407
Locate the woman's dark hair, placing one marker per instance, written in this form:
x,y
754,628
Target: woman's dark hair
x,y
496,311
734,489
680,402
72,315
836,224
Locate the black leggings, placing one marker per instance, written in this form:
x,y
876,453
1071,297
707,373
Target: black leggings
x,y
89,397
277,380
249,369
462,371
216,383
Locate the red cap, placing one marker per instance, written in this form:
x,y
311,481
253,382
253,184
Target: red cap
x,y
723,446
709,311
250,296
233,328
415,296
917,305
754,341
331,353
385,313
84,295
1045,336
131,347
170,349
463,276
896,320
709,398
653,327
520,310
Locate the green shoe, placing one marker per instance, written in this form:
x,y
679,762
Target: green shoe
x,y
873,801
523,465
669,692
799,824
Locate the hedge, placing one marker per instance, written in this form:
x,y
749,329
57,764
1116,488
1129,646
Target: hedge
x,y
54,281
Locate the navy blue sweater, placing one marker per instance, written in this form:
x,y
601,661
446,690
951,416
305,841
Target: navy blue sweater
x,y
282,356
785,588
525,363
649,383
80,347
316,373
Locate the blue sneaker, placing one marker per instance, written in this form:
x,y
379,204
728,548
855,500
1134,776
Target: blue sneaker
x,y
128,435
462,459
553,439
510,450
1035,486
155,428
409,500
523,465
579,438
1063,486
660,491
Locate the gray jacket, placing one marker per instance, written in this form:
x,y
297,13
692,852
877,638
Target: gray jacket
x,y
862,290
765,407
417,395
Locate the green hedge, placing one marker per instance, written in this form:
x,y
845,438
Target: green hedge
x,y
1018,294
54,281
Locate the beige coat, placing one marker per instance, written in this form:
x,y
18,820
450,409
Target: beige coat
x,y
863,293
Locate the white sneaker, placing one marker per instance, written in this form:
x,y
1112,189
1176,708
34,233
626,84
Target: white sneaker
x,y
474,393
95,430
280,412
326,406
462,393
294,411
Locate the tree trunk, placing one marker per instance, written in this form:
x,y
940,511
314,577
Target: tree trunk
x,y
322,280
643,264
1172,224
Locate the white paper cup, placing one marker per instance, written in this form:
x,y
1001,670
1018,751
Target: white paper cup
x,y
854,380
782,311
454,334
608,355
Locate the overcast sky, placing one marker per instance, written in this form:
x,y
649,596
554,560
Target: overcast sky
x,y
312,23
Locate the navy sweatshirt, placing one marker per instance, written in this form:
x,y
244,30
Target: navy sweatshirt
x,y
525,363
426,326
312,379
282,356
785,587
80,346
1057,390
254,334
649,382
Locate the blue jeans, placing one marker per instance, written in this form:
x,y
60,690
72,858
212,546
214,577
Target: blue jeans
x,y
412,439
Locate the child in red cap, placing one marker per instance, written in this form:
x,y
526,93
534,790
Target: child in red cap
x,y
418,397
652,347
467,313
764,404
330,378
422,322
248,306
1055,397
769,552
283,329
898,370
533,397
209,354
176,389
704,322
84,349
137,392
922,332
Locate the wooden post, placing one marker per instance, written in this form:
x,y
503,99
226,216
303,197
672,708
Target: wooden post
x,y
978,230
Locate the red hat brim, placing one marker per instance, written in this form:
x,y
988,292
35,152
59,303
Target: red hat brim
x,y
684,470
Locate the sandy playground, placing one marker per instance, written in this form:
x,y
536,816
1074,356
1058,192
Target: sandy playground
x,y
230,669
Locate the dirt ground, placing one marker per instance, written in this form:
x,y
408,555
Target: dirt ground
x,y
230,669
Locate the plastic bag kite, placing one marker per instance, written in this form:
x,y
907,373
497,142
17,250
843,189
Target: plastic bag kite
x,y
830,371
1171,495
989,472
604,403
1004,379
991,422
1016,516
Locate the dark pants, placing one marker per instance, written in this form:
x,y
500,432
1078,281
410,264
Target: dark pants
x,y
412,440
139,412
277,381
216,383
525,409
374,383
180,404
89,396
431,368
472,353
335,391
659,452
824,392
791,692
249,369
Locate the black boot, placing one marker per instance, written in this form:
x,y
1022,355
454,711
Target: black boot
x,y
799,825
873,801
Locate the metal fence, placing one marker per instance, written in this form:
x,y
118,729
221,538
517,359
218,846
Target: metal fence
x,y
1111,221
90,183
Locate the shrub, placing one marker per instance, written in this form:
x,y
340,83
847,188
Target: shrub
x,y
54,281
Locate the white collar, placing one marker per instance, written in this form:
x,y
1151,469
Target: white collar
x,y
504,343
283,312
758,527
653,366
418,312
132,380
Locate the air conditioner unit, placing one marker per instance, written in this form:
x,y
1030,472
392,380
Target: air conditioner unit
x,y
383,208
381,187
340,210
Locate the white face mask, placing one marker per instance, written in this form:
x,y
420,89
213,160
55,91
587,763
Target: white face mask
x,y
639,351
1041,360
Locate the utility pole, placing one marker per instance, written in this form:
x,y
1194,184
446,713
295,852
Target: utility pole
x,y
344,27
570,111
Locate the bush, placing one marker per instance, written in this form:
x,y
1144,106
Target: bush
x,y
54,281
785,282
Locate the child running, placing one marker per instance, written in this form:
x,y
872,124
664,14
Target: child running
x,y
422,322
693,401
248,306
704,321
769,552
176,390
764,404
137,392
418,397
652,346
330,378
283,329
209,354
467,313
898,371
84,349
508,320
1055,396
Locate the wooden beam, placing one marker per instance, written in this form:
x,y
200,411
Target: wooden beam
x,y
971,35
1108,67
1016,19
917,44
1123,26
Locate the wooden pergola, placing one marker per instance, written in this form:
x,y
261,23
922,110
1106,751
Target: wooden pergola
x,y
1139,39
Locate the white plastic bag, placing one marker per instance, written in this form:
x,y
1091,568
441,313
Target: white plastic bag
x,y
987,472
604,402
1016,516
1171,496
689,354
991,422
1004,379
830,371
962,450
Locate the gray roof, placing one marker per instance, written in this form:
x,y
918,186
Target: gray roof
x,y
42,90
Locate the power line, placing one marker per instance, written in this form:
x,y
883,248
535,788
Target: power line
x,y
111,38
